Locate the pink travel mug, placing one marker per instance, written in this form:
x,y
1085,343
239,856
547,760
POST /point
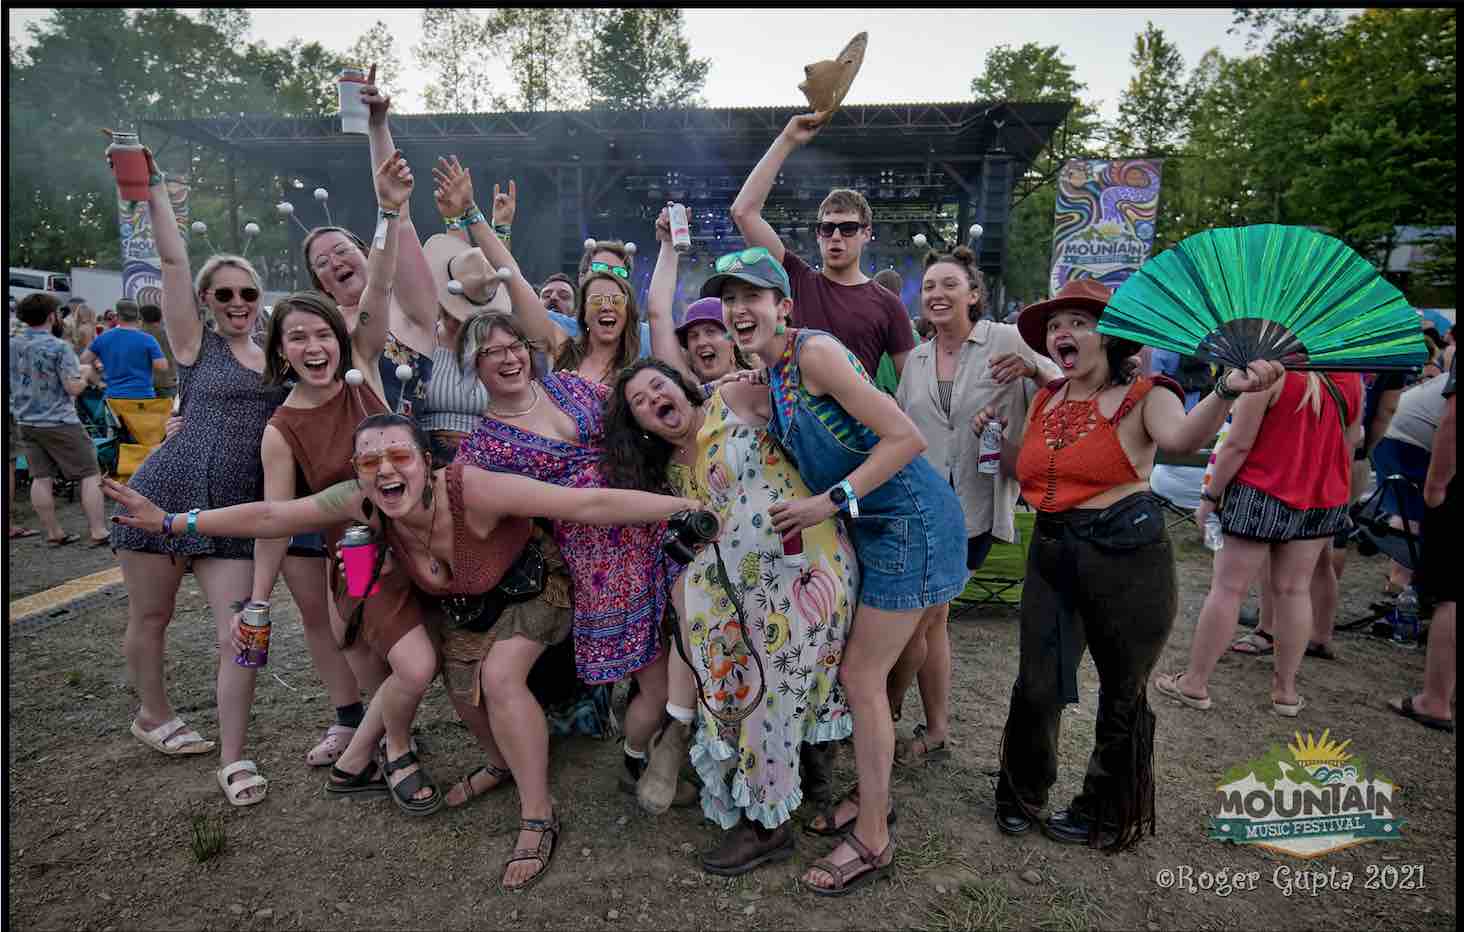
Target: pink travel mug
x,y
358,553
129,166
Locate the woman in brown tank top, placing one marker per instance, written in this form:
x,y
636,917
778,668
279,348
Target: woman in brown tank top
x,y
446,554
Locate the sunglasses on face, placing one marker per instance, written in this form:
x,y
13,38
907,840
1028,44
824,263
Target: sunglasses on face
x,y
225,295
596,301
400,456
747,256
846,229
496,354
618,270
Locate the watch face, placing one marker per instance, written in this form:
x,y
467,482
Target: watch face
x,y
837,496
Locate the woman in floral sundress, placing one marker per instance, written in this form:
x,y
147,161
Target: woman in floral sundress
x,y
767,674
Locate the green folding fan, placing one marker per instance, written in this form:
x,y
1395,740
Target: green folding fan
x,y
1240,294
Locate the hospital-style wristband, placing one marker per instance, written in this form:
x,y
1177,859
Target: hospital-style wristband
x,y
843,497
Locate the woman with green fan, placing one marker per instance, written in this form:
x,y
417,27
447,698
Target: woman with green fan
x,y
1101,570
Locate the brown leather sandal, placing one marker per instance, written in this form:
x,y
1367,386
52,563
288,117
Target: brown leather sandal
x,y
868,866
546,828
826,812
501,777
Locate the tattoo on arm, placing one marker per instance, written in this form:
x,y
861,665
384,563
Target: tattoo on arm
x,y
337,499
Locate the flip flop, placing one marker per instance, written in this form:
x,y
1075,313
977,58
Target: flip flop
x,y
68,539
1261,644
101,542
16,533
1168,684
1404,707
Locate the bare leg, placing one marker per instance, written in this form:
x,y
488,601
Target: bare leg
x,y
522,735
909,664
152,586
935,674
44,502
413,662
644,714
875,642
94,507
369,670
1324,597
1290,581
1439,665
225,582
307,587
1236,564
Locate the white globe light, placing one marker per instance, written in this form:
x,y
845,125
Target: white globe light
x,y
630,249
504,274
404,372
590,243
454,287
199,227
251,229
321,194
285,208
976,230
354,377
920,240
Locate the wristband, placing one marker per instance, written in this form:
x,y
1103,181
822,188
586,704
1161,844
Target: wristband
x,y
1207,496
154,179
168,525
386,214
1223,389
503,231
193,520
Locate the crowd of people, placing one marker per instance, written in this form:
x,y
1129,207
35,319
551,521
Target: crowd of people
x,y
535,461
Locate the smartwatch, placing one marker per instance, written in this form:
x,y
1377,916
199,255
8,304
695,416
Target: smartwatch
x,y
844,499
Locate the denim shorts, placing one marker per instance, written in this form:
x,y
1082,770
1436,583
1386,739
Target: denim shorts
x,y
911,561
307,545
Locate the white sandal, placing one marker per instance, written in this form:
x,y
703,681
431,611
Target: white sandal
x,y
237,789
172,738
331,747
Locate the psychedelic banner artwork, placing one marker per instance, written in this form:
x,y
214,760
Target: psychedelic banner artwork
x,y
142,275
1104,223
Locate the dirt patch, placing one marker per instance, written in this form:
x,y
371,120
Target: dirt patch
x,y
100,826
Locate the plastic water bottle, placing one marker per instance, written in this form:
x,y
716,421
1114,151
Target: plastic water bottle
x,y
1214,537
1404,617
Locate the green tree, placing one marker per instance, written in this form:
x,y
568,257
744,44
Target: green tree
x,y
377,46
537,42
639,59
1155,109
455,44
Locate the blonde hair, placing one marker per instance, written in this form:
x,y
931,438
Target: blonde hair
x,y
1313,394
205,275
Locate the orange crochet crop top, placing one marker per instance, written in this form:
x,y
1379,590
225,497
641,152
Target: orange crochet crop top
x,y
1071,452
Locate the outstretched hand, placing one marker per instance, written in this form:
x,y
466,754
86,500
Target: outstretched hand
x,y
141,513
377,102
394,182
1256,377
505,205
803,127
454,187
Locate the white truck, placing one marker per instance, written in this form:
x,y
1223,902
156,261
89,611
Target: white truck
x,y
102,288
28,281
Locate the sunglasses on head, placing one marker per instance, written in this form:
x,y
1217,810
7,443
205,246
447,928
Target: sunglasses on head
x,y
846,229
400,455
747,257
618,270
596,301
225,295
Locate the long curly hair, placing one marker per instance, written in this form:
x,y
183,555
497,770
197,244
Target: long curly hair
x,y
632,458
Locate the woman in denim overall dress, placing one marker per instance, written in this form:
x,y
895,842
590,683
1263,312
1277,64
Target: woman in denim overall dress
x,y
860,455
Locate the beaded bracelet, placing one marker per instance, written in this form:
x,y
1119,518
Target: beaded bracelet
x,y
1223,389
193,520
155,179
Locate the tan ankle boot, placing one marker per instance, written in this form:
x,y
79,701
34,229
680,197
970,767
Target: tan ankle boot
x,y
657,788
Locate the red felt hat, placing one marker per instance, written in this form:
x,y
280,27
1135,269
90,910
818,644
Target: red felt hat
x,y
1080,294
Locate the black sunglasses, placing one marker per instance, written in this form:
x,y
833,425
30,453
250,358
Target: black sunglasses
x,y
225,295
846,229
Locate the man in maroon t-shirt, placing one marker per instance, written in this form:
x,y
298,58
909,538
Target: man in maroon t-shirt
x,y
840,299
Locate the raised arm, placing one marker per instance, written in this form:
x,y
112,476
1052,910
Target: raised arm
x,y
828,370
368,340
662,294
336,505
1180,433
747,208
500,494
416,295
454,195
180,305
278,461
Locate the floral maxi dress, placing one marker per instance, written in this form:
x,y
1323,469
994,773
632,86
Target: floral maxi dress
x,y
797,620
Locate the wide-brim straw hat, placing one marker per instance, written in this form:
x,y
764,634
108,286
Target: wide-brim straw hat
x,y
826,83
453,260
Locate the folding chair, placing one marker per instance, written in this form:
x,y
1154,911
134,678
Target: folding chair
x,y
999,581
143,420
1374,534
103,428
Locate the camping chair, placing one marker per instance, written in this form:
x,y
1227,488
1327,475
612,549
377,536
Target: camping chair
x,y
102,426
143,420
1373,534
999,581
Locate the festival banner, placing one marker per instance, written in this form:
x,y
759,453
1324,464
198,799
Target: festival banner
x,y
1104,223
142,272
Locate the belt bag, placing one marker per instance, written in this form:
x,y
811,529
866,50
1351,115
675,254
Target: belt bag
x,y
478,613
1128,524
